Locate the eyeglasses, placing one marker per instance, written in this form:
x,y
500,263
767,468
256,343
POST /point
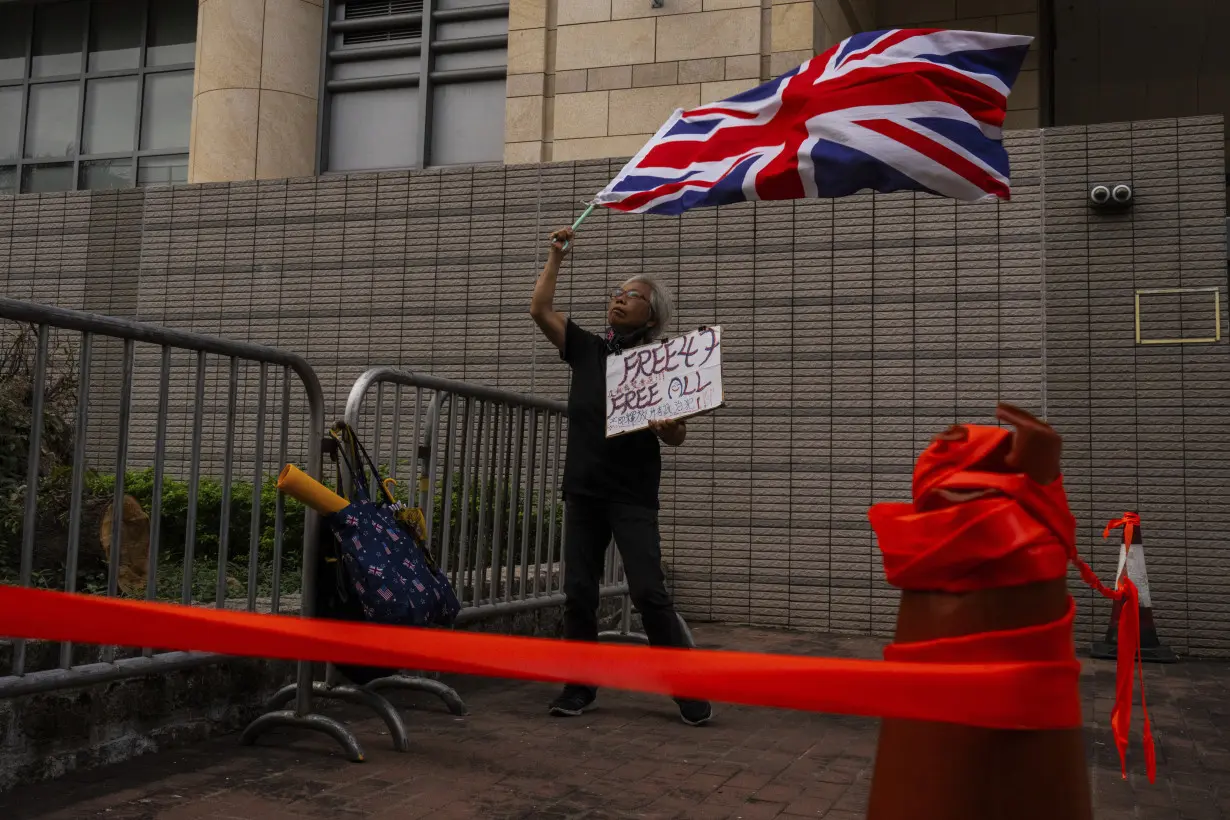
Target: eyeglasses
x,y
628,294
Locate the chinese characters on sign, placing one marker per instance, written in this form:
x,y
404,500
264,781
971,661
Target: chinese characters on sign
x,y
671,379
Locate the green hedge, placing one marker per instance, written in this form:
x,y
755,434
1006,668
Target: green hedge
x,y
140,485
524,506
54,506
18,344
54,503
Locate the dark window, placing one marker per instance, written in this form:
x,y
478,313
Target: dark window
x,y
106,173
42,179
366,9
369,129
14,26
51,120
380,109
95,93
110,115
172,33
163,170
56,49
10,124
455,109
167,111
115,34
358,9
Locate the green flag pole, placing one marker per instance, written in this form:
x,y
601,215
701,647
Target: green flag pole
x,y
581,219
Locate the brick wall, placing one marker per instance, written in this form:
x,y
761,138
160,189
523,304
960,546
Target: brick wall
x,y
855,330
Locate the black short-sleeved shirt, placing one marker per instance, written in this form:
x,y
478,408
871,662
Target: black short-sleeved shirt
x,y
626,468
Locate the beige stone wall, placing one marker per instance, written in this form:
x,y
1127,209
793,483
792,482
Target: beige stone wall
x,y
595,78
1005,16
255,97
800,29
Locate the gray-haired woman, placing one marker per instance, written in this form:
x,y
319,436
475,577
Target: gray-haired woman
x,y
610,485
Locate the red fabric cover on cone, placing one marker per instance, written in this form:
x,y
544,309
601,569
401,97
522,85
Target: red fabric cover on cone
x,y
1023,533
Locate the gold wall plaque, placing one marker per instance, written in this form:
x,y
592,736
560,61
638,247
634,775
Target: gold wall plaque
x,y
1181,340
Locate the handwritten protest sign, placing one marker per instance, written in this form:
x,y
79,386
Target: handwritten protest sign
x,y
672,379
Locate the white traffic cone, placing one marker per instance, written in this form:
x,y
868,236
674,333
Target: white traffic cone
x,y
1132,561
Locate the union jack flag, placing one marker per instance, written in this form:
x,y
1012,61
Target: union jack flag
x,y
905,109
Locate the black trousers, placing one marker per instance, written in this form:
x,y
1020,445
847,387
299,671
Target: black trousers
x,y
591,523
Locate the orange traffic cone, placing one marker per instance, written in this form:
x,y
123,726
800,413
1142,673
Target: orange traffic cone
x,y
1132,561
927,770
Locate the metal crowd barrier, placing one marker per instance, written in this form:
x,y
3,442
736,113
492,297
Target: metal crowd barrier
x,y
483,464
485,467
182,377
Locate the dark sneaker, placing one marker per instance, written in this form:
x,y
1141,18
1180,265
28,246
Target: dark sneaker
x,y
573,702
695,712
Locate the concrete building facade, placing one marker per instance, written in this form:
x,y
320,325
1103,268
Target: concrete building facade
x,y
288,88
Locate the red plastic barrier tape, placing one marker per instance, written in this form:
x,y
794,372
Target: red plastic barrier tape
x,y
996,695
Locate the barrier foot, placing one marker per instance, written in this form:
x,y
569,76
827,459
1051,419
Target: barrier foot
x,y
444,692
686,631
316,723
357,696
625,635
619,636
282,697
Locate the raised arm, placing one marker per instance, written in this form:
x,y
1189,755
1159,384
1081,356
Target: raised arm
x,y
542,306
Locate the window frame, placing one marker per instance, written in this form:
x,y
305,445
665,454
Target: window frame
x,y
82,78
424,49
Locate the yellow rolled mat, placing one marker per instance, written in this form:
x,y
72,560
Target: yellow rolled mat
x,y
302,487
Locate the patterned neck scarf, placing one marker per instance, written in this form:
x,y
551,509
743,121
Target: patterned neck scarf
x,y
617,342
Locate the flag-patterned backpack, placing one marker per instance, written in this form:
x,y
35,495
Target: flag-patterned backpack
x,y
386,563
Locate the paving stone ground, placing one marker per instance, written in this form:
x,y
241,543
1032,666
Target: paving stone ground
x,y
631,758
